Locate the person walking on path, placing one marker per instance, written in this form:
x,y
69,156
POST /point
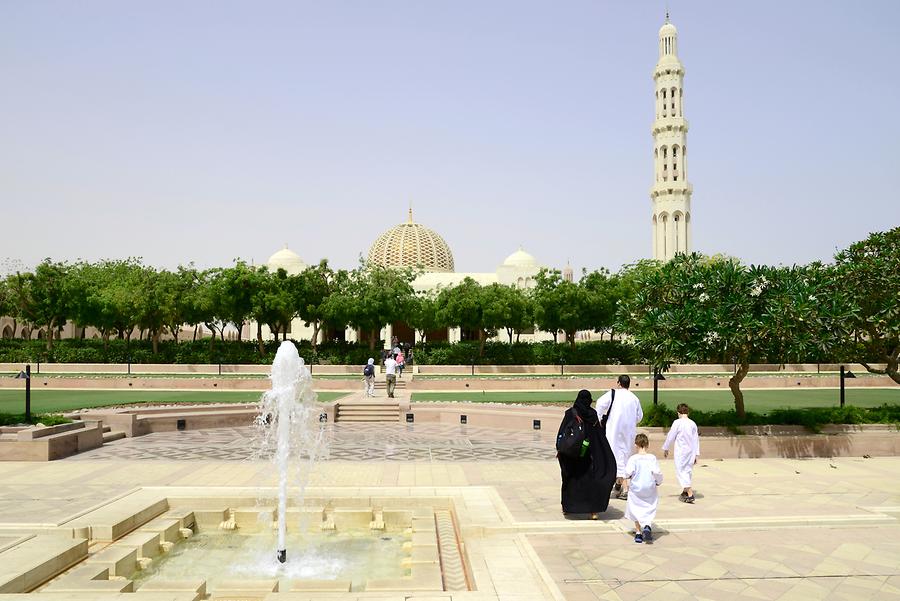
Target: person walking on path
x,y
588,478
686,439
644,476
369,373
621,426
401,363
390,371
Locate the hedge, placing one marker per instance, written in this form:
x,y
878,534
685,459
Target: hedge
x,y
332,353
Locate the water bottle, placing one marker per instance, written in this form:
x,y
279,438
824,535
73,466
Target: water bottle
x,y
584,447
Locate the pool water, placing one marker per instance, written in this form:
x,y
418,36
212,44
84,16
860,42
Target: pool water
x,y
218,555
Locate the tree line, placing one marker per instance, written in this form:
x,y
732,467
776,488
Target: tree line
x,y
693,308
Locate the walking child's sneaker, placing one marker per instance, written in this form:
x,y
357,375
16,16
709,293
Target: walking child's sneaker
x,y
638,538
689,499
683,495
617,487
647,535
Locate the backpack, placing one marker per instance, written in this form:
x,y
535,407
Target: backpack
x,y
572,434
369,370
571,437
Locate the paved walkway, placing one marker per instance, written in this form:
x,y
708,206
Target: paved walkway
x,y
761,528
351,441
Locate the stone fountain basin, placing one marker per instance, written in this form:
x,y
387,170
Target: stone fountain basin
x,y
122,546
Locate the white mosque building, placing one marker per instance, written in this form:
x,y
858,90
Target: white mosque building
x,y
411,244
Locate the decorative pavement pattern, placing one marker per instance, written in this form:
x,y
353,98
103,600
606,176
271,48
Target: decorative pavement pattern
x,y
344,441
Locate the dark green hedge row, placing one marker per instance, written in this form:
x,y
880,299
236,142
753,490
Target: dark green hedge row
x,y
811,418
333,353
598,352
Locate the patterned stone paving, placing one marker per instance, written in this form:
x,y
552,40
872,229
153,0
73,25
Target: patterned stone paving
x,y
346,441
790,564
782,529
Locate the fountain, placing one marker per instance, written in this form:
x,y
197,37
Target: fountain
x,y
285,416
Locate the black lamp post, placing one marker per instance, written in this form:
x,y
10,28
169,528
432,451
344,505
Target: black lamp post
x,y
657,378
844,376
26,375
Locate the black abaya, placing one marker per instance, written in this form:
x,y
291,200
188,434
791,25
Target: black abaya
x,y
587,481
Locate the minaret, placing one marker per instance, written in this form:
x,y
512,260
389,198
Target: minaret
x,y
671,192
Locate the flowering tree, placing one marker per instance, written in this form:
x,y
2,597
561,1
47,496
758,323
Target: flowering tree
x,y
696,309
867,282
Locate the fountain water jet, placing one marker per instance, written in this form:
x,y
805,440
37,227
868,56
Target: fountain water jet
x,y
285,419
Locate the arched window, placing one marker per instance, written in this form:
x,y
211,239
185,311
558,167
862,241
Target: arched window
x,y
665,234
677,218
672,97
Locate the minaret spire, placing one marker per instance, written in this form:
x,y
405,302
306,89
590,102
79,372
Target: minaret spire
x,y
671,192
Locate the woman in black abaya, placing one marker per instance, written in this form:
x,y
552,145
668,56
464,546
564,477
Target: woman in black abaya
x,y
587,481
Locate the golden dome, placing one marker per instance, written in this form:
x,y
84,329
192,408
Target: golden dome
x,y
412,244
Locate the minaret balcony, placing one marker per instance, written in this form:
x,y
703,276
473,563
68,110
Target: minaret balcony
x,y
664,124
670,187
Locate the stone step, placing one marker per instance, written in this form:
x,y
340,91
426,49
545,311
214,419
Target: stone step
x,y
391,417
109,435
368,418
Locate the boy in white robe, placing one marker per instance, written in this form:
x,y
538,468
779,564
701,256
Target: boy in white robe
x,y
644,476
684,435
621,426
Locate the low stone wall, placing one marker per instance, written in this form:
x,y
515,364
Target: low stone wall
x,y
643,383
461,370
50,442
137,383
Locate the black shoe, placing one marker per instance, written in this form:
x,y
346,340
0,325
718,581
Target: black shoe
x,y
617,487
648,535
689,499
638,538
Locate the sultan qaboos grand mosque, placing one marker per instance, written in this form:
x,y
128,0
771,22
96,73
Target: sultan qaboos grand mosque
x,y
412,244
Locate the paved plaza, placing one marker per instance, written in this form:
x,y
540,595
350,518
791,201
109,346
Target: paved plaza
x,y
761,528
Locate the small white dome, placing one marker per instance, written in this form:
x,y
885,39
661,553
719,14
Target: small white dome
x,y
288,260
520,258
667,30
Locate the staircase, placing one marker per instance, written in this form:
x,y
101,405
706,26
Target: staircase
x,y
367,411
381,384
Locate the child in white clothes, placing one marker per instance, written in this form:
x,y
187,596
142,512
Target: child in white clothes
x,y
644,475
684,435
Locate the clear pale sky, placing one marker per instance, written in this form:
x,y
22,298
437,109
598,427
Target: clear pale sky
x,y
208,131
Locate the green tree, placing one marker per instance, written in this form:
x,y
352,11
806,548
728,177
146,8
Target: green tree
x,y
560,305
311,291
423,315
696,309
507,307
41,297
467,305
157,302
234,290
372,297
866,280
602,293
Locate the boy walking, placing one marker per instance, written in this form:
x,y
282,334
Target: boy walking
x,y
686,439
644,475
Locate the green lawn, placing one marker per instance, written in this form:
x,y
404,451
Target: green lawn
x,y
759,401
50,401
